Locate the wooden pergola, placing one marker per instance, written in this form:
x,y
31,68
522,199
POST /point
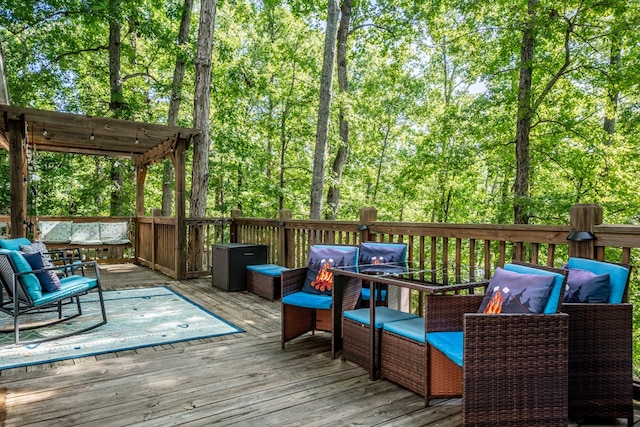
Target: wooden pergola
x,y
144,143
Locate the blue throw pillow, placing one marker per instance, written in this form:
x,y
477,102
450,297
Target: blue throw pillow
x,y
586,287
29,281
322,257
48,279
511,292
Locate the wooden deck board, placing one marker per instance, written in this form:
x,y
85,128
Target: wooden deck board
x,y
241,379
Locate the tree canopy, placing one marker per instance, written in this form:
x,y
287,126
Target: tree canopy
x,y
436,93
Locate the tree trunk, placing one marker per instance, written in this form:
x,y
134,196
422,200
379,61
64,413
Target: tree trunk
x,y
333,195
613,92
116,104
324,110
523,122
174,103
201,107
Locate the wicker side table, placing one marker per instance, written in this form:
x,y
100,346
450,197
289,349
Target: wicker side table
x,y
264,280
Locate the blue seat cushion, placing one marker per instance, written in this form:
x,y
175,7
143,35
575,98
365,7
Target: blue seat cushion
x,y
366,294
69,286
14,244
267,269
383,315
307,300
410,328
449,343
618,275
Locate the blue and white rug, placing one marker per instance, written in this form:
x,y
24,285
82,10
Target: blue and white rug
x,y
135,318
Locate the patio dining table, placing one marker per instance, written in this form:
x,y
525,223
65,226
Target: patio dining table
x,y
445,280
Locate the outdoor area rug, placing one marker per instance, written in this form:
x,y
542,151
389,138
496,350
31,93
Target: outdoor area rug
x,y
136,318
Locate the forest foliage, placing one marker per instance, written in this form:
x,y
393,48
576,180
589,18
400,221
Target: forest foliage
x,y
432,103
435,96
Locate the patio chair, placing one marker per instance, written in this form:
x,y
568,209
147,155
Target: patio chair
x,y
600,340
55,257
309,301
380,257
510,367
31,289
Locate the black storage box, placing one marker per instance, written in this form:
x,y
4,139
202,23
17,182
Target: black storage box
x,y
229,266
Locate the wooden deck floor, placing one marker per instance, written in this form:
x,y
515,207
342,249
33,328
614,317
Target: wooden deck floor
x,y
242,379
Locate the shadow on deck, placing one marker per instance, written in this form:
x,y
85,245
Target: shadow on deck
x,y
241,379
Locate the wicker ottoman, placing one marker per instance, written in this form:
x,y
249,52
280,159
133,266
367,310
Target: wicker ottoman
x,y
356,335
264,280
404,354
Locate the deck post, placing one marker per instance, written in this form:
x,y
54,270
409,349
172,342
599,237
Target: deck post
x,y
18,167
367,216
582,219
284,257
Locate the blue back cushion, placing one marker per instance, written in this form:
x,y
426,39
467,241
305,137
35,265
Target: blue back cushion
x,y
322,257
619,275
29,281
515,292
14,244
373,254
586,287
554,298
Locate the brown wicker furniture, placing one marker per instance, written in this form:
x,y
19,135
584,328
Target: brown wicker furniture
x,y
513,367
427,281
356,335
303,312
264,280
600,349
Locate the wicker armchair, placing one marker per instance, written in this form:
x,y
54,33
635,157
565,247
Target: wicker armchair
x,y
510,369
302,312
600,348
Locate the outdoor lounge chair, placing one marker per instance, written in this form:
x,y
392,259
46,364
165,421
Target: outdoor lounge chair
x,y
600,343
309,301
27,293
513,366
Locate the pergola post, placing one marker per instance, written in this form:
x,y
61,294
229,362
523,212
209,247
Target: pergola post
x,y
178,159
141,176
18,166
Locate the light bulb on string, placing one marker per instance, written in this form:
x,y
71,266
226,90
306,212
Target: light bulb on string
x,y
92,137
44,131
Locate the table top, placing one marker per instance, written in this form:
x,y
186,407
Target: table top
x,y
413,276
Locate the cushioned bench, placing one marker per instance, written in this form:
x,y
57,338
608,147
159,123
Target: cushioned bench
x,y
96,240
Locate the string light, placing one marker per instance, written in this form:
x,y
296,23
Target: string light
x,y
92,137
44,130
137,141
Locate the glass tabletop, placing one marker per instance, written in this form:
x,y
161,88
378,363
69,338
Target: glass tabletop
x,y
407,274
